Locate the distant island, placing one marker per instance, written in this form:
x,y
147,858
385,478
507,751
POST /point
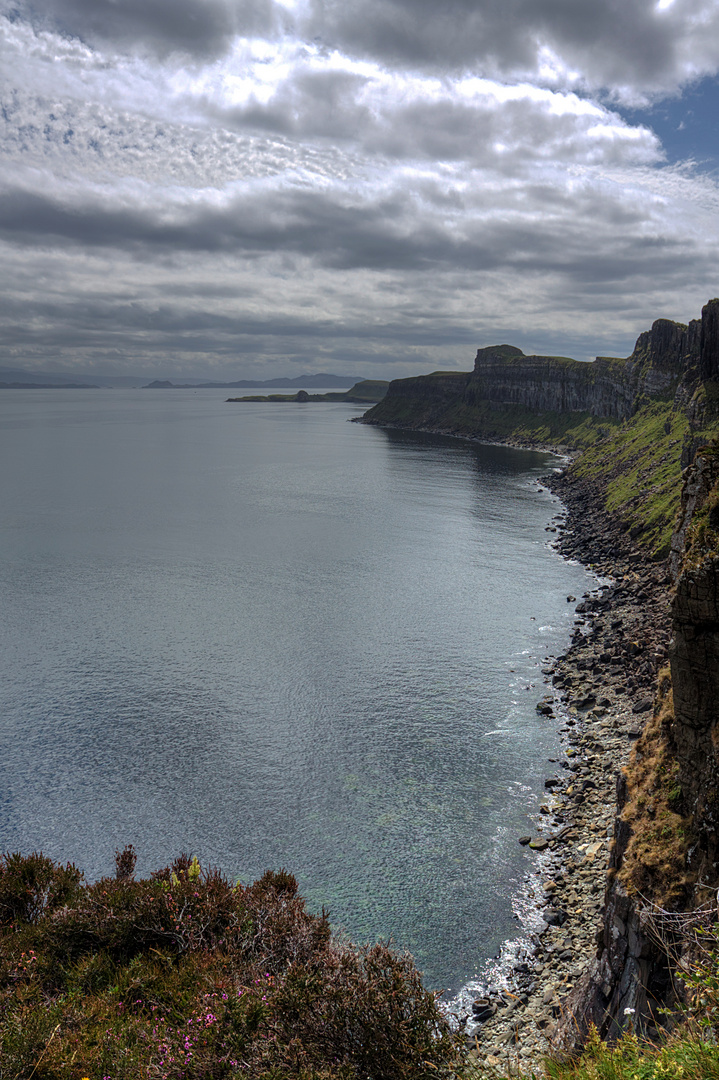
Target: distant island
x,y
20,379
365,392
46,386
319,379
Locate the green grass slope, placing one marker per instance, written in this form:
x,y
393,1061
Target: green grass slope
x,y
640,466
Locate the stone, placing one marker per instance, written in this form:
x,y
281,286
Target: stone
x,y
482,1009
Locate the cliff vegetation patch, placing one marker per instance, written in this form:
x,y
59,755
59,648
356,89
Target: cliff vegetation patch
x,y
184,976
655,861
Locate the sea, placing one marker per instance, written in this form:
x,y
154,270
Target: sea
x,y
273,638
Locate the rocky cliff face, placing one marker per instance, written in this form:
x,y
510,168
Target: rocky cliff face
x,y
695,665
667,363
552,384
675,765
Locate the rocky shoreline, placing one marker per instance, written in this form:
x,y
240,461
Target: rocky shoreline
x,y
602,692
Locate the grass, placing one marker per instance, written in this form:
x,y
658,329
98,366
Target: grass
x,y
654,863
688,1057
640,466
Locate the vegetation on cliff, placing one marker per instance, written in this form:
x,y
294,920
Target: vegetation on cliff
x,y
639,466
183,976
660,833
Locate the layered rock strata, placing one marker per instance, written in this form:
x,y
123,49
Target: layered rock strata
x,y
667,363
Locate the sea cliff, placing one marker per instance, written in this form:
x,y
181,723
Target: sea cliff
x,y
554,400
643,507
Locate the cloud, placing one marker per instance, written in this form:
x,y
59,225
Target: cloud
x,y
631,47
391,195
634,50
197,28
470,119
408,220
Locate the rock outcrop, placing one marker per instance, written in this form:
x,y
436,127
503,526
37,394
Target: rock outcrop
x,y
667,363
552,383
630,980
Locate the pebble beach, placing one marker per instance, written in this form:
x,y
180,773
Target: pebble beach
x,y
600,693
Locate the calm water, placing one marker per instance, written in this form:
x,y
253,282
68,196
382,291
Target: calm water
x,y
275,638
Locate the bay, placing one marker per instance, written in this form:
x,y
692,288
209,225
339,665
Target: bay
x,y
273,638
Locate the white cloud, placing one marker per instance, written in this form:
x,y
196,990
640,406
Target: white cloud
x,y
257,194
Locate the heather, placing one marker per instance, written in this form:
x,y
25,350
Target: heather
x,y
184,975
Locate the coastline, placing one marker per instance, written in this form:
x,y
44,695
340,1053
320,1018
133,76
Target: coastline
x,y
565,453
600,692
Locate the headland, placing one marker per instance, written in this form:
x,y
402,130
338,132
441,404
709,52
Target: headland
x,y
626,837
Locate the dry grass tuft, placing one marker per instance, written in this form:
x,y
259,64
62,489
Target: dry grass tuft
x,y
655,860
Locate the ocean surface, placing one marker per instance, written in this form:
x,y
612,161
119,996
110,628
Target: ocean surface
x,y
273,638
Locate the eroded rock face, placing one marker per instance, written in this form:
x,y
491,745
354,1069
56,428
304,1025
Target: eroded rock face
x,y
694,657
625,983
420,402
709,348
630,971
607,387
664,346
552,384
697,483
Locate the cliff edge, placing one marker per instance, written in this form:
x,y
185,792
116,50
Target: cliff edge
x,y
648,430
554,400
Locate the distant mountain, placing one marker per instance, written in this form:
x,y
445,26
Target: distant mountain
x,y
45,386
299,382
19,378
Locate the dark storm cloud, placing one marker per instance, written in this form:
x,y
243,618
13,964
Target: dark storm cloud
x,y
607,41
93,322
394,232
615,44
200,28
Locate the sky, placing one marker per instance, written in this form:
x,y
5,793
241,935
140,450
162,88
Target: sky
x,y
255,188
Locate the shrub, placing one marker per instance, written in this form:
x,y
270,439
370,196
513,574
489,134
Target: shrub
x,y
183,976
32,886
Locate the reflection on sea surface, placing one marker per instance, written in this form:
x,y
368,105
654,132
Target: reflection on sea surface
x,y
274,638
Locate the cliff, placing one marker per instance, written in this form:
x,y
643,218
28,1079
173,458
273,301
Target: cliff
x,y
648,428
639,421
554,399
663,873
